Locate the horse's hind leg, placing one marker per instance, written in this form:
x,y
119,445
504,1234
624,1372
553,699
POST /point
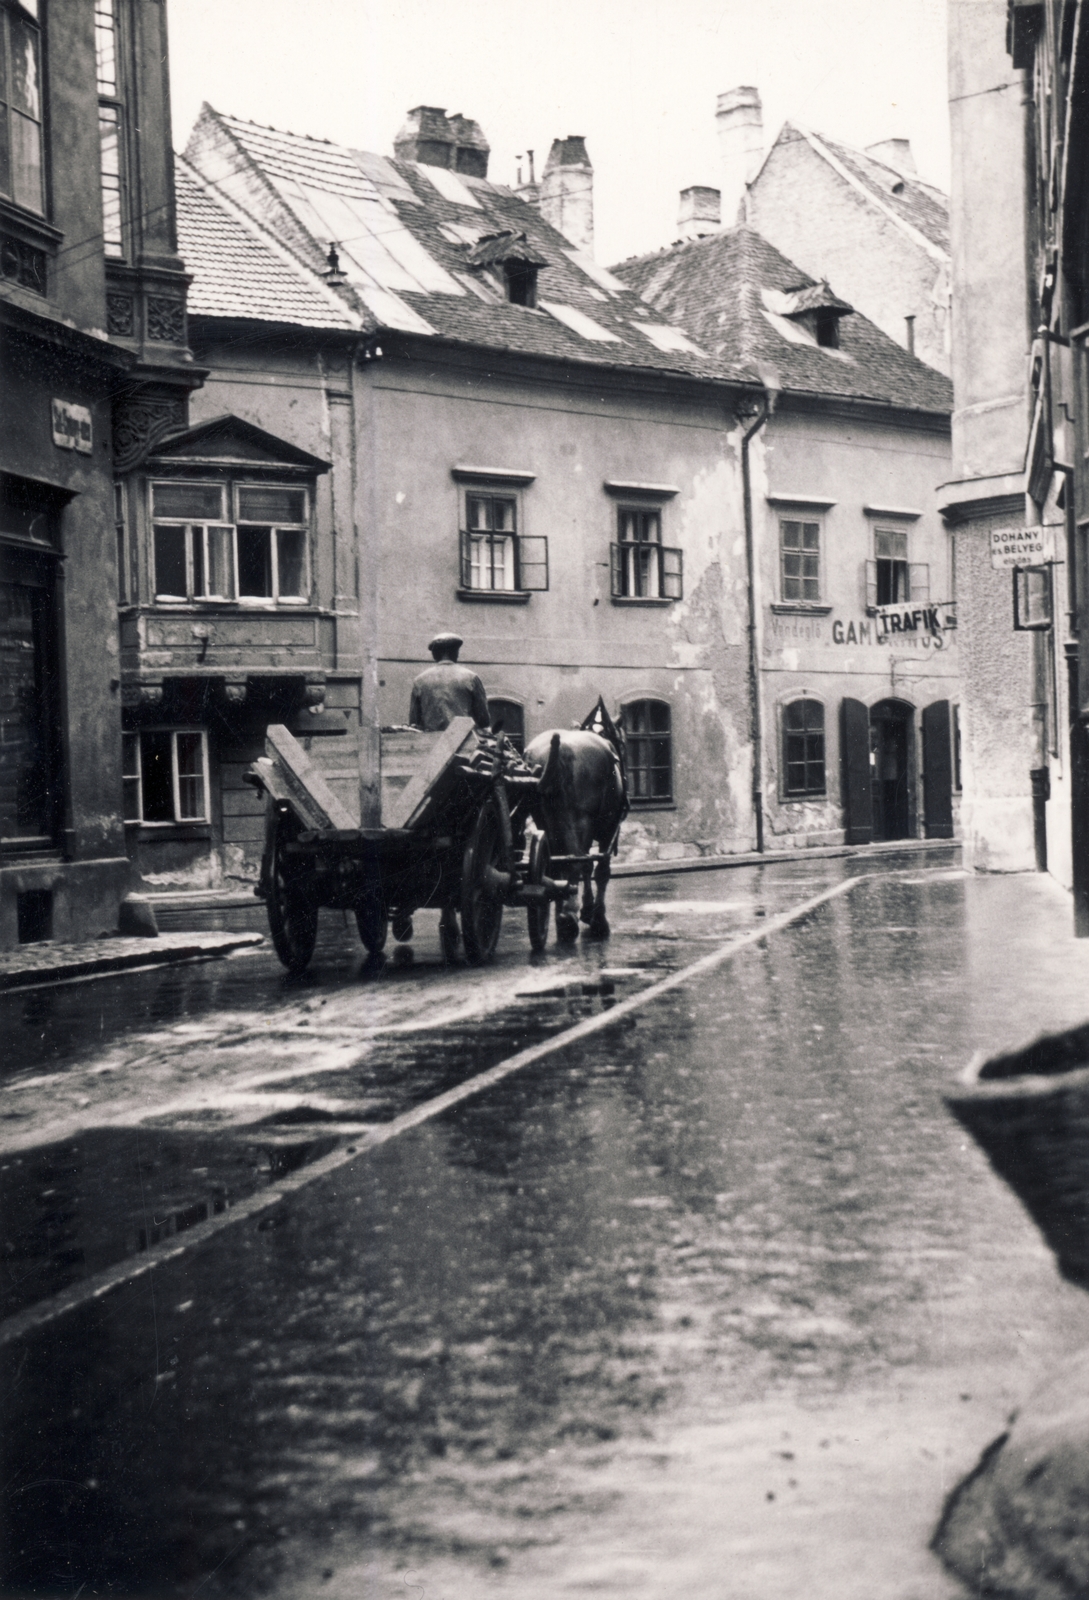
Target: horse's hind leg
x,y
599,922
586,910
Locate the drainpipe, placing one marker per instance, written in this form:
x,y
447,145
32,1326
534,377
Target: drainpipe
x,y
755,719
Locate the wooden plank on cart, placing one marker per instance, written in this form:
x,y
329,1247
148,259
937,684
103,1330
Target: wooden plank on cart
x,y
404,805
308,792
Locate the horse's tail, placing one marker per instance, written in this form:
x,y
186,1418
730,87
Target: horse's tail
x,y
550,783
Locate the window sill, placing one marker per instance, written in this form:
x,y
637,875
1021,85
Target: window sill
x,y
799,608
651,805
497,597
170,830
641,600
803,799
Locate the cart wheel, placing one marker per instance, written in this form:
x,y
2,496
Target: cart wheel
x,y
538,911
292,913
481,899
370,919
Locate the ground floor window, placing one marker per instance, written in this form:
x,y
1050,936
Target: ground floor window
x,y
165,775
648,738
803,748
508,717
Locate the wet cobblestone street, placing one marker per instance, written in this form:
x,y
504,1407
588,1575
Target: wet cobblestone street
x,y
716,1301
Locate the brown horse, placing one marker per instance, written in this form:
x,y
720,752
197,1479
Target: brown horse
x,y
581,801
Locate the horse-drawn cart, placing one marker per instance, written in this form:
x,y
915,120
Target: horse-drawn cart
x,y
449,827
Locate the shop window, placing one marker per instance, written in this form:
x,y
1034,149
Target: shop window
x,y
21,106
508,717
496,557
251,559
800,560
165,775
803,748
649,750
642,567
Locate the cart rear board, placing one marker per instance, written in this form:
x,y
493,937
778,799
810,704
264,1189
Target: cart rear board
x,y
319,778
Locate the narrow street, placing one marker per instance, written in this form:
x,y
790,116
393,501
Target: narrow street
x,y
713,1300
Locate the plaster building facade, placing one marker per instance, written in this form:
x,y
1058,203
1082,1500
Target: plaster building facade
x,y
94,366
1016,753
502,438
854,618
862,219
1021,150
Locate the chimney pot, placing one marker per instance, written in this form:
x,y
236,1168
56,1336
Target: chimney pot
x,y
700,212
432,138
740,120
567,191
894,153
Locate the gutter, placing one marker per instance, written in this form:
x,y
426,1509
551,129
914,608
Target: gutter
x,y
755,717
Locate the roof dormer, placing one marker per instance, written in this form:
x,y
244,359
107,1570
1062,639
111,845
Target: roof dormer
x,y
512,262
816,309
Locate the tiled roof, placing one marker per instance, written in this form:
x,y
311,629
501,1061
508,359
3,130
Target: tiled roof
x,y
240,271
730,291
917,204
404,235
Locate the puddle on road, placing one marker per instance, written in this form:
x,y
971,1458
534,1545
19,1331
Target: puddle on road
x,y
72,1209
85,1204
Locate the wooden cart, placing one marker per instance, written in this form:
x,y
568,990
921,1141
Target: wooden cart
x,y
446,825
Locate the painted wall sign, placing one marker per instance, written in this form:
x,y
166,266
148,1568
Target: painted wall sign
x,y
1021,547
900,625
71,427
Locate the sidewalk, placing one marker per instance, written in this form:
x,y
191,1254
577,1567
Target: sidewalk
x,y
198,925
32,965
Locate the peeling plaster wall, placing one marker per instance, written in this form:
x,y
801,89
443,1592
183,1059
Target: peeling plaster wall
x,y
556,653
830,652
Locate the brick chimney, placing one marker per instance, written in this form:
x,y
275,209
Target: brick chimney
x,y
740,121
700,212
894,153
567,191
436,140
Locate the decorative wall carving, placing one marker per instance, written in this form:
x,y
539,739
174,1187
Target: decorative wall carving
x,y
165,319
139,422
120,315
137,692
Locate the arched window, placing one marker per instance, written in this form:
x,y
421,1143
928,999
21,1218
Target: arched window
x,y
649,738
508,717
803,748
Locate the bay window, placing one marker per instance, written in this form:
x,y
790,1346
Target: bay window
x,y
260,556
21,106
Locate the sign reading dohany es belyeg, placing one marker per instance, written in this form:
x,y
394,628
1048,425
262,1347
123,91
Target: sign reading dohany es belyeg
x,y
1021,547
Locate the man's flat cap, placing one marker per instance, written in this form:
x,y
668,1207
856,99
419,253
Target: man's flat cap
x,y
443,640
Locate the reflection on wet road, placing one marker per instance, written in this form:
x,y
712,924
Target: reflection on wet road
x,y
464,1353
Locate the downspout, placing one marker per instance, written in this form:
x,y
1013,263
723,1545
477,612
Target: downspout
x,y
755,718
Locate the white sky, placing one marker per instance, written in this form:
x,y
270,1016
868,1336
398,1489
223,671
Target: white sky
x,y
638,78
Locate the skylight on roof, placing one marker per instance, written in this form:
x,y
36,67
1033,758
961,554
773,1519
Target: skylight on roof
x,y
600,275
450,186
665,338
579,322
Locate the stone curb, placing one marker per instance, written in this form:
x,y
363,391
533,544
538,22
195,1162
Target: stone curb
x,y
752,858
40,964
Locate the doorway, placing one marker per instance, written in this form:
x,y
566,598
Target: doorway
x,y
891,767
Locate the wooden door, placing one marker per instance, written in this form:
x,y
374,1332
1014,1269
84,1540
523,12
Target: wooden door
x,y
855,761
937,771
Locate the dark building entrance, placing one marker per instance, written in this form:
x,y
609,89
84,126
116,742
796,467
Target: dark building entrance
x,y
29,757
890,762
